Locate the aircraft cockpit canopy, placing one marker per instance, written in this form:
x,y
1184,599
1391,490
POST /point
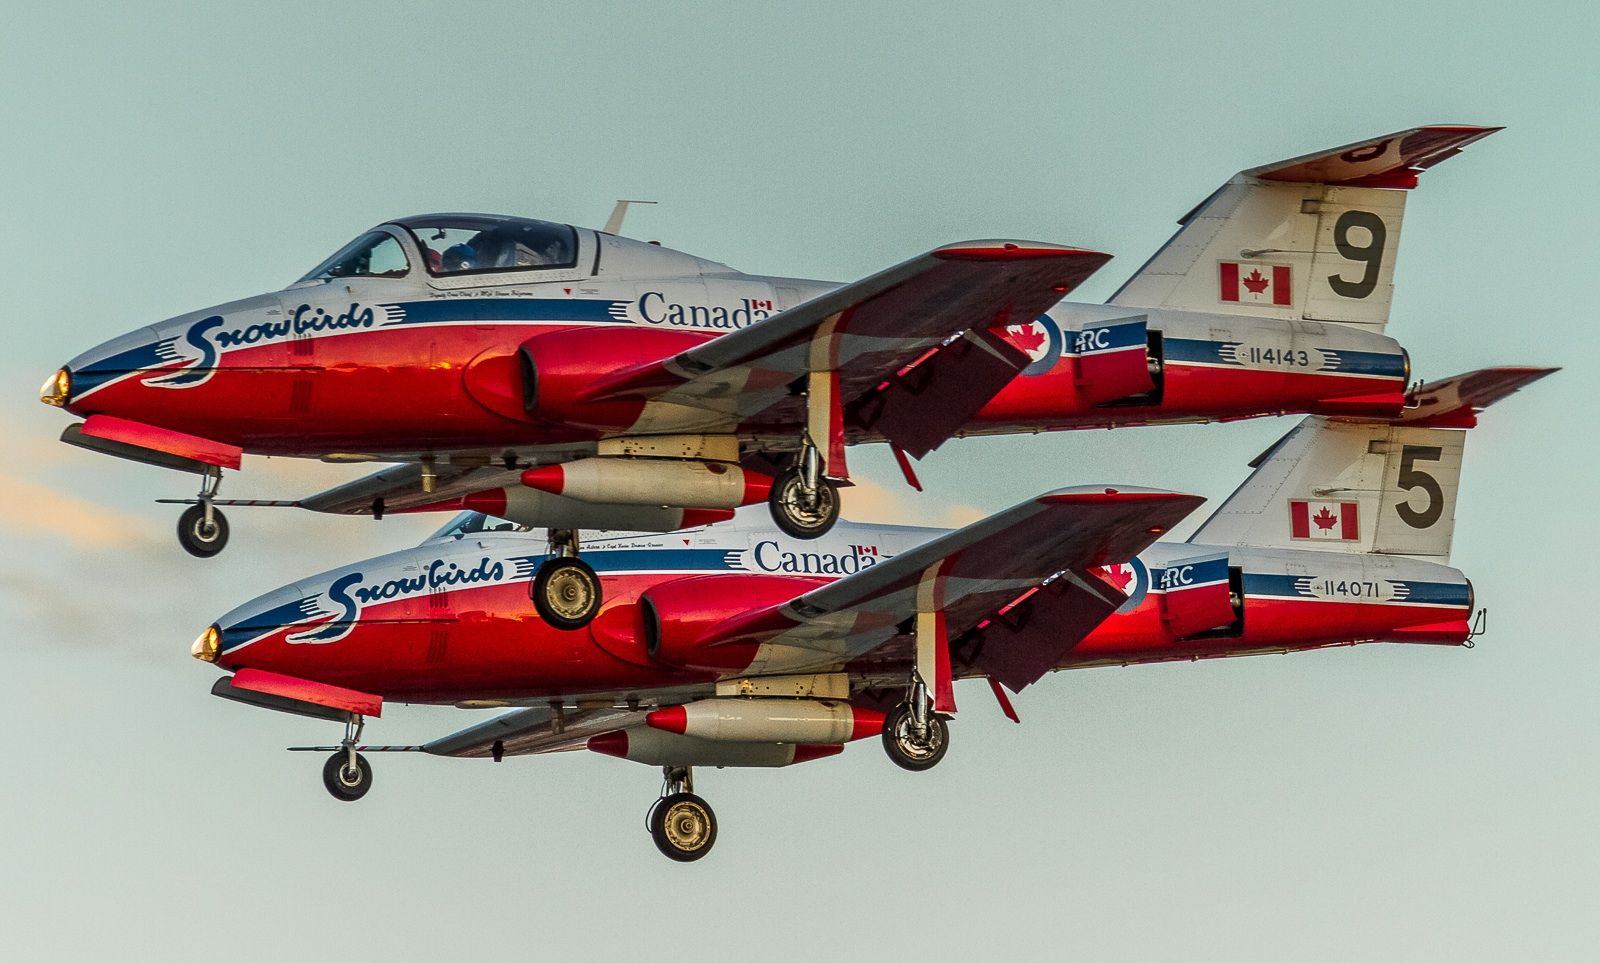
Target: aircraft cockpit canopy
x,y
475,523
475,243
376,254
451,245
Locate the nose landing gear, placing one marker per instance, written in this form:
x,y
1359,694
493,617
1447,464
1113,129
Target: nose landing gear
x,y
566,591
347,774
681,823
202,531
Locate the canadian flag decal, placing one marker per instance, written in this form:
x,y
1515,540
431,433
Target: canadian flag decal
x,y
1254,283
1326,521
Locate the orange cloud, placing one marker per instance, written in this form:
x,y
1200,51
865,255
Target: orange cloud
x,y
29,508
868,501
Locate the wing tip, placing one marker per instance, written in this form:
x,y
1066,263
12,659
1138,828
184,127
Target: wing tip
x,y
1002,250
1087,495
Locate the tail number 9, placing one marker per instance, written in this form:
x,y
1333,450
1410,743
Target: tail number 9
x,y
1369,255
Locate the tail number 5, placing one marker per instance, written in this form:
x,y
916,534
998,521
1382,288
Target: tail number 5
x,y
1412,478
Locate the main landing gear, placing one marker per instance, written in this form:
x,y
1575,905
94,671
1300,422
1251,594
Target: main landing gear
x,y
914,736
804,502
347,774
202,531
565,591
681,823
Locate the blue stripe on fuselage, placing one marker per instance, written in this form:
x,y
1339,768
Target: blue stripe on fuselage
x,y
445,311
1406,591
1200,351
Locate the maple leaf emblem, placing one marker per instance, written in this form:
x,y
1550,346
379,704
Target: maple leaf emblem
x,y
1325,519
1029,337
1255,282
1119,576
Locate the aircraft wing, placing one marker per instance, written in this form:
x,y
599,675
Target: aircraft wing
x,y
1012,593
911,352
401,487
533,731
522,732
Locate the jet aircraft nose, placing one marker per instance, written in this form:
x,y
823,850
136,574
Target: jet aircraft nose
x,y
223,640
208,646
57,390
100,367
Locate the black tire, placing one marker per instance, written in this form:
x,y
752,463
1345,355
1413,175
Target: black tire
x,y
566,592
904,750
683,826
345,784
788,507
194,536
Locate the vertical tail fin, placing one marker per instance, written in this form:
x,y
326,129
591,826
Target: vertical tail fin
x,y
1313,237
1365,487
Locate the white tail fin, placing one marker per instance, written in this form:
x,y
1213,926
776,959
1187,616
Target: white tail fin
x,y
1359,487
1313,237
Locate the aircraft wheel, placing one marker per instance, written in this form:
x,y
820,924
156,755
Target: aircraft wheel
x,y
798,516
905,749
566,592
683,827
198,538
346,784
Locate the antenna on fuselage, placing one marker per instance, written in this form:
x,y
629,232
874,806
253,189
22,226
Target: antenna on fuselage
x,y
614,222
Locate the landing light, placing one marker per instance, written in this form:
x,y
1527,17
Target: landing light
x,y
206,646
57,389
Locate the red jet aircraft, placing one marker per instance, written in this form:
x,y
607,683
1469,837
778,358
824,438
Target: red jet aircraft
x,y
567,379
738,645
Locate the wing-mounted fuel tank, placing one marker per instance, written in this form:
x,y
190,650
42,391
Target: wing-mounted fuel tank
x,y
765,719
539,509
735,731
656,748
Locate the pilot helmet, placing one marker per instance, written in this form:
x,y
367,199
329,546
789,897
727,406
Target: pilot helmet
x,y
459,257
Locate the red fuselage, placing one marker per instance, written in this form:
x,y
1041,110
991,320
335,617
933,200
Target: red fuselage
x,y
451,621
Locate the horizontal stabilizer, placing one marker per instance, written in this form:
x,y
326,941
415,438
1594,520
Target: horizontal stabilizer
x,y
1381,487
1392,161
1455,402
1314,237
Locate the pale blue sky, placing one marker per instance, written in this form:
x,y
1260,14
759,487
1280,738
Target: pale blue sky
x,y
1376,802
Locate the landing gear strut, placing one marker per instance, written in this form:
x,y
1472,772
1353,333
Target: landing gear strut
x,y
681,823
804,503
202,531
914,736
347,774
565,590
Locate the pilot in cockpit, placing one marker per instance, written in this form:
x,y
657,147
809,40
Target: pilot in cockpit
x,y
458,257
474,523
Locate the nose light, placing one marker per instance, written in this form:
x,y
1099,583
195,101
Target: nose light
x,y
57,389
205,648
